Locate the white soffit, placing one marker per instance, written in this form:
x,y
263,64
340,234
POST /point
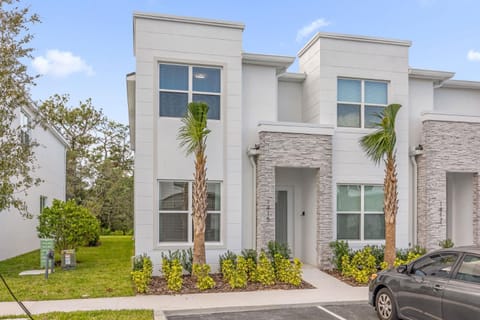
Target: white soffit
x,y
295,127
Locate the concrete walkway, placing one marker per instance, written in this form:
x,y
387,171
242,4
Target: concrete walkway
x,y
328,289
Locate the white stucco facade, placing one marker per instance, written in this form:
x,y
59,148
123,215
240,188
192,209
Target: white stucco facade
x,y
258,95
19,234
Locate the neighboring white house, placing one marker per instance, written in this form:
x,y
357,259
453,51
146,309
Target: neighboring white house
x,y
19,235
284,161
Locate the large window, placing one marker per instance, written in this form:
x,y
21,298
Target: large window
x,y
360,212
359,101
181,84
175,210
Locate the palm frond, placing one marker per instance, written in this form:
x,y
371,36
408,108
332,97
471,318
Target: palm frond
x,y
192,135
382,141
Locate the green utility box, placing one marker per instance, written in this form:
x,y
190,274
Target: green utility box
x,y
45,246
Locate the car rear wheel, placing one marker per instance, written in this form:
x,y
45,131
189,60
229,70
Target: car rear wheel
x,y
385,305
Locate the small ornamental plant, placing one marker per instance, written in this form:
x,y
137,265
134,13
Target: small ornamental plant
x,y
142,276
201,273
265,273
172,271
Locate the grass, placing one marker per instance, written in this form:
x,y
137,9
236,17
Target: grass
x,y
97,315
102,271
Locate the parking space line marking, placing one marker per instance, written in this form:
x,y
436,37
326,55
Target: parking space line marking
x,y
331,313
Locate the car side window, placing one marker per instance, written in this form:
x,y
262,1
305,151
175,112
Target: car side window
x,y
435,265
469,269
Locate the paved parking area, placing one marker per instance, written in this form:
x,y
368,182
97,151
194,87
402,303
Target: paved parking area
x,y
354,311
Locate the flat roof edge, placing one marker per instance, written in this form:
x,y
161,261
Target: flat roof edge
x,y
267,60
351,37
182,19
461,84
430,74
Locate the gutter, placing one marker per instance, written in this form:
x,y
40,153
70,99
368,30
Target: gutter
x,y
413,158
252,153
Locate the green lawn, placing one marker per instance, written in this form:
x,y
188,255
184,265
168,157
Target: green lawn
x,y
97,315
102,271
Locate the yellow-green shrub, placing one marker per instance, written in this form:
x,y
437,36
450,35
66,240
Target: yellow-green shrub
x,y
361,266
287,272
251,269
412,255
235,275
172,271
141,278
201,272
265,273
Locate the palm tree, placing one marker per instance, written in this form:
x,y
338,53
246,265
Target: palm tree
x,y
380,145
193,136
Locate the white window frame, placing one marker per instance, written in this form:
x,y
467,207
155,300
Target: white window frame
x,y
43,202
362,211
362,102
189,90
189,212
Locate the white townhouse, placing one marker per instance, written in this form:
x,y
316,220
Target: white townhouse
x,y
284,160
18,234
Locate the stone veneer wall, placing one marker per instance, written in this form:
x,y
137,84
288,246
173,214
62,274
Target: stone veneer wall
x,y
295,150
448,147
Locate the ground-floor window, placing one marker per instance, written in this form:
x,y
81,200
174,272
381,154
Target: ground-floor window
x,y
175,211
360,212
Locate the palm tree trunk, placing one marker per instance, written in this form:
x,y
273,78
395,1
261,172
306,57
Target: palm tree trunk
x,y
390,208
199,208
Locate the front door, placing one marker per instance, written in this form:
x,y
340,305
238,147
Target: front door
x,y
283,216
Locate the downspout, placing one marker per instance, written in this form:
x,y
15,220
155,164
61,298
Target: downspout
x,y
252,153
413,158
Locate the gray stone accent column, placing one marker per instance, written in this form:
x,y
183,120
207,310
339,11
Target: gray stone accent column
x,y
448,147
295,150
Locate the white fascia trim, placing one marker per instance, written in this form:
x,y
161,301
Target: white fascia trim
x,y
190,20
295,127
461,84
131,82
279,62
292,77
356,38
449,117
430,74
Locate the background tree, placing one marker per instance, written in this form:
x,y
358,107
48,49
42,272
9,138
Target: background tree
x,y
193,136
381,145
99,160
16,158
78,125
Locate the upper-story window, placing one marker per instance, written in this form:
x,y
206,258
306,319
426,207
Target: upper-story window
x,y
181,84
359,101
25,128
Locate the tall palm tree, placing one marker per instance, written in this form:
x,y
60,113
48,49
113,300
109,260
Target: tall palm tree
x,y
193,136
380,145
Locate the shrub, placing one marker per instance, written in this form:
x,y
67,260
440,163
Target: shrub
x,y
71,225
274,248
340,248
186,259
250,254
137,263
141,278
227,268
447,243
265,273
172,271
229,255
410,256
287,272
204,280
361,266
378,252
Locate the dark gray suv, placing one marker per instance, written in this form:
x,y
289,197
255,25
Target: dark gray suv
x,y
444,284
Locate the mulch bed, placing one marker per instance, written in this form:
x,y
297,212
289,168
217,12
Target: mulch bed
x,y
335,273
158,286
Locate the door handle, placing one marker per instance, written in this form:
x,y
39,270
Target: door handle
x,y
437,287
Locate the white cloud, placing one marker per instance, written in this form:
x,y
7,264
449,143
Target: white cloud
x,y
311,28
60,64
473,55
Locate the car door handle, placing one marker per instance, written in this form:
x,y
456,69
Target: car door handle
x,y
437,287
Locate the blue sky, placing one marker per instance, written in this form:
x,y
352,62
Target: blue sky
x,y
84,47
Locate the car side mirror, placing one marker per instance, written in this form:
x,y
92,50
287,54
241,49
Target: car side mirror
x,y
402,268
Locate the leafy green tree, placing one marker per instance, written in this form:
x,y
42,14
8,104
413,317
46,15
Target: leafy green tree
x,y
193,137
79,126
379,146
17,158
70,224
